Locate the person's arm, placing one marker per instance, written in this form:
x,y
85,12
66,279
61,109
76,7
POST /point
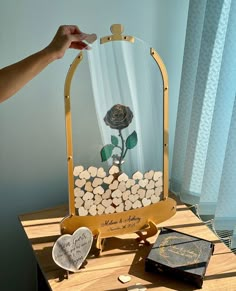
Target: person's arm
x,y
15,76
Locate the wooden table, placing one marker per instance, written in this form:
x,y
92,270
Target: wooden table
x,y
122,256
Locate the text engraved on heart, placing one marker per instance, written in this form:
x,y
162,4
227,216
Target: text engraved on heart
x,y
70,251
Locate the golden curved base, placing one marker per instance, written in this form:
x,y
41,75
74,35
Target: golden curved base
x,y
133,221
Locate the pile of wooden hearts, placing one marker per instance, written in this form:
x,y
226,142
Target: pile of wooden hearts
x,y
96,193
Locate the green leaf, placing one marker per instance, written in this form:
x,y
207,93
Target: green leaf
x,y
106,152
131,140
114,140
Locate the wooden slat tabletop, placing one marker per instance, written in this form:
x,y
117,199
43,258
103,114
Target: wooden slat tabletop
x,y
122,255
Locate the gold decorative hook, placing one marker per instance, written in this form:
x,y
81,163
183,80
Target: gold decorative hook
x,y
116,30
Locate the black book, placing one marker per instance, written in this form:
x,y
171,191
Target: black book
x,y
184,256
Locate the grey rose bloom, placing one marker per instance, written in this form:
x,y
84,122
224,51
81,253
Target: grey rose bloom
x,y
118,117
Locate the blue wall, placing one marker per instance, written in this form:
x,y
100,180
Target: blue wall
x,y
33,170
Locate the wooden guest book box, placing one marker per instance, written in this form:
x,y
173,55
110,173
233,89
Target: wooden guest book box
x,y
180,255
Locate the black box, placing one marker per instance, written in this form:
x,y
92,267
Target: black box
x,y
184,256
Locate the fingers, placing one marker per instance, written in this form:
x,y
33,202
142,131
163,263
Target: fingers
x,y
74,30
69,29
70,36
77,41
79,46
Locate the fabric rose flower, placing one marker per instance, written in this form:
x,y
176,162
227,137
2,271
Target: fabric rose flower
x,y
118,117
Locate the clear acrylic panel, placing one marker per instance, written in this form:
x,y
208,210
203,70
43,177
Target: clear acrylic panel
x,y
118,72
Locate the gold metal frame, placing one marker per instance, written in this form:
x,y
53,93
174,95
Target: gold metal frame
x,y
68,124
164,74
150,215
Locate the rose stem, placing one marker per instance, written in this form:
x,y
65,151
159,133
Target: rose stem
x,y
124,153
122,148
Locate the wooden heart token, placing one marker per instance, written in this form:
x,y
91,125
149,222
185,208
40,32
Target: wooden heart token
x,y
88,204
70,251
128,205
92,171
123,177
141,193
143,183
78,192
79,202
98,199
116,193
116,201
137,287
101,173
84,175
133,198
146,201
98,190
93,210
149,175
106,202
137,204
97,182
155,199
158,191
88,196
108,180
134,188
137,176
125,195
120,208
113,170
100,209
91,38
130,183
88,187
157,175
78,170
149,193
114,185
80,183
82,211
107,194
124,278
150,185
159,182
109,210
122,186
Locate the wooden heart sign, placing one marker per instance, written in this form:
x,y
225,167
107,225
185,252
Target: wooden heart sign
x,y
69,251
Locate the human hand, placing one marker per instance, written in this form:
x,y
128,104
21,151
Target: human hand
x,y
69,36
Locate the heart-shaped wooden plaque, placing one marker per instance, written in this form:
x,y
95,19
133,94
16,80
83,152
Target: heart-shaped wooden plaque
x,y
70,251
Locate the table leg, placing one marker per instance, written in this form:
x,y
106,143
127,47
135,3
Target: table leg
x,y
42,284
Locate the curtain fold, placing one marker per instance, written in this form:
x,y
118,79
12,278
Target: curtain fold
x,y
203,168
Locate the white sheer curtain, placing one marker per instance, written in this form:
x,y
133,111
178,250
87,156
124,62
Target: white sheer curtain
x,y
125,73
204,160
